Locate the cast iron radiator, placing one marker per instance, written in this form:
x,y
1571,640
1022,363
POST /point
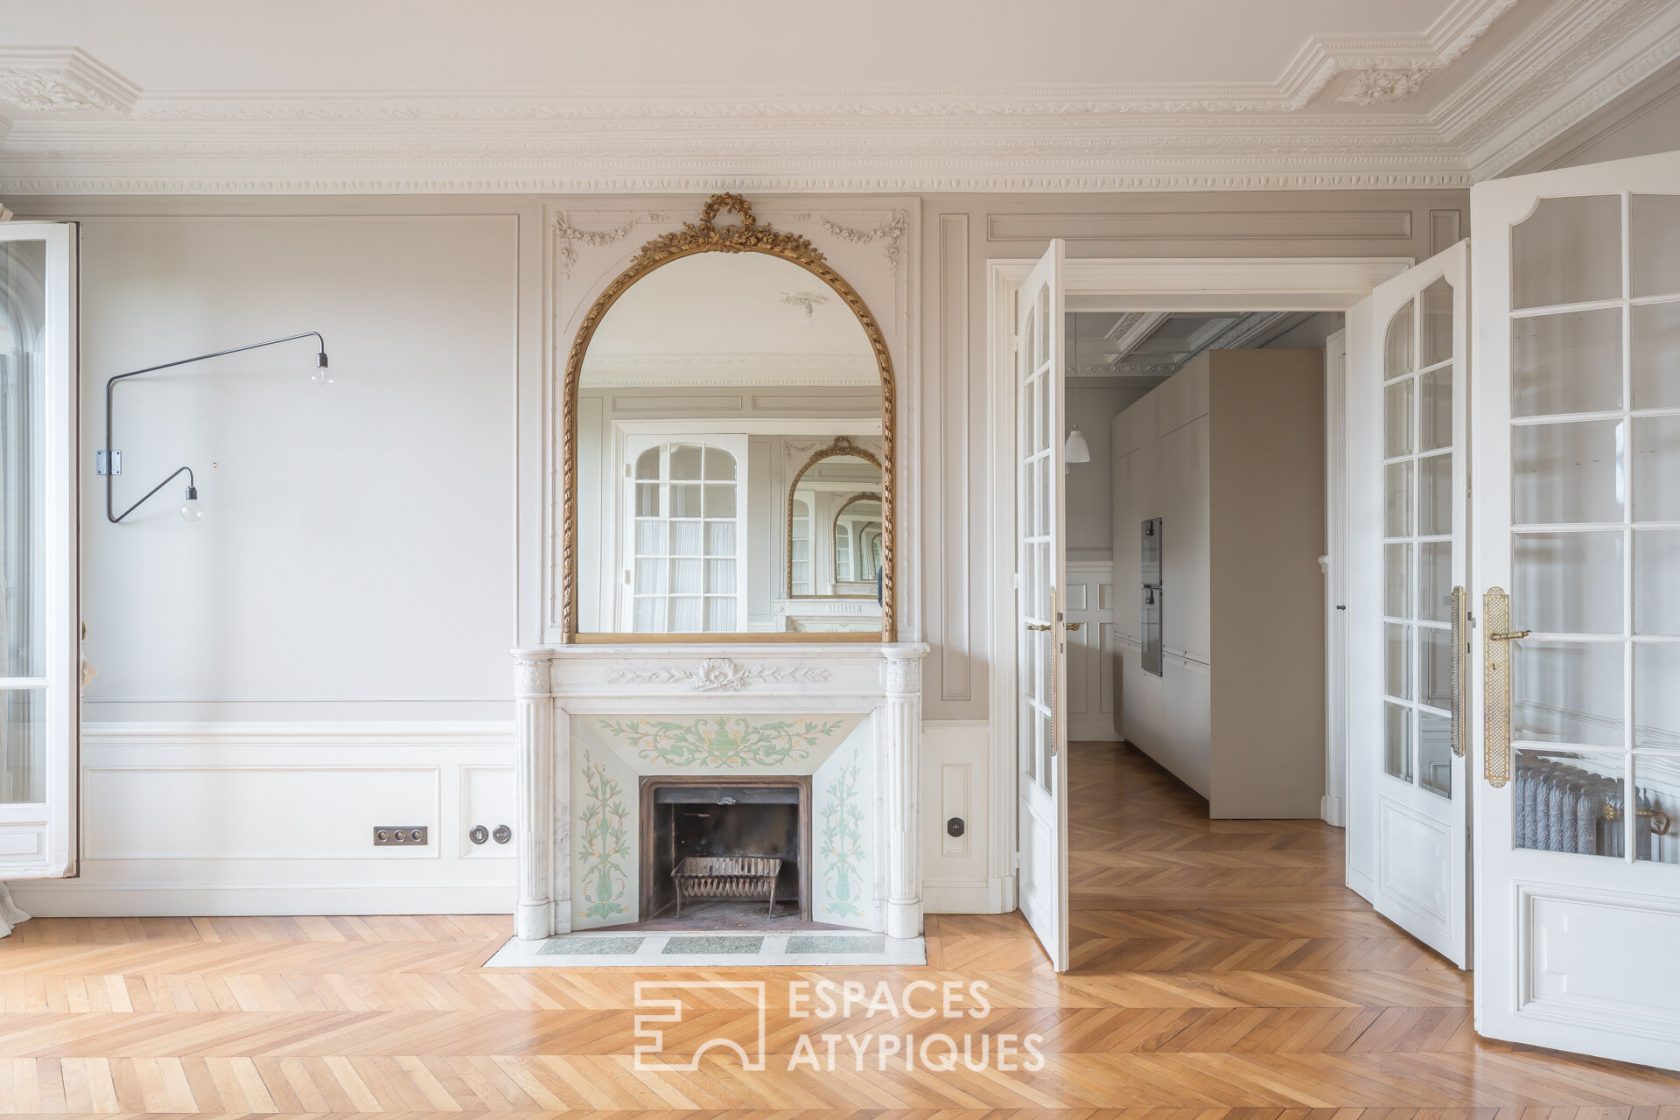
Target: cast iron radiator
x,y
1563,808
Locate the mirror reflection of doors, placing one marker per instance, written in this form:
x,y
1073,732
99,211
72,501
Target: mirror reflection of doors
x,y
727,426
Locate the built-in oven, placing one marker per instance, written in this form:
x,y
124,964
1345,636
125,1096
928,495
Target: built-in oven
x,y
1150,568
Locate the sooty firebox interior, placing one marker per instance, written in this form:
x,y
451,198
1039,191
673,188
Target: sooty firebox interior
x,y
708,817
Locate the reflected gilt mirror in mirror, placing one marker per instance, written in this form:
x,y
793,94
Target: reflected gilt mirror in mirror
x,y
834,524
728,446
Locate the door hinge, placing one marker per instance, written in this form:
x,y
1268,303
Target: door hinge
x,y
1015,862
107,462
1014,344
1015,579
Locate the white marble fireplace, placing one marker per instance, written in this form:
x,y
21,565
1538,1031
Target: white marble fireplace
x,y
594,720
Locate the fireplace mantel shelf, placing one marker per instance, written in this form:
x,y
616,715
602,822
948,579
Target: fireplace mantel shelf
x,y
574,699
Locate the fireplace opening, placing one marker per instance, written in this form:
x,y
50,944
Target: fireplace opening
x,y
726,830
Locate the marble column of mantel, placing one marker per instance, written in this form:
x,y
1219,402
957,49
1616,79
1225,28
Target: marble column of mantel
x,y
554,681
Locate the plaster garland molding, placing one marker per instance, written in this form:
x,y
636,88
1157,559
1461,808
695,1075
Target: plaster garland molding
x,y
891,232
719,674
567,237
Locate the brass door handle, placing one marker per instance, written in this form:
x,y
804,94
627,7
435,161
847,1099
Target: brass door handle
x,y
1038,626
1460,669
1496,686
1075,626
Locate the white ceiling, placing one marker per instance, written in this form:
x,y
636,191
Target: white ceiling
x,y
729,319
531,95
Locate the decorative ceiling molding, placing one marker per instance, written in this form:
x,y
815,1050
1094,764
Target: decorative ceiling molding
x,y
1335,118
1556,75
61,80
1382,85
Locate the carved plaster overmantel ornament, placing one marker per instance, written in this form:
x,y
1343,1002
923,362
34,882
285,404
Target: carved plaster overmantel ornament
x,y
720,674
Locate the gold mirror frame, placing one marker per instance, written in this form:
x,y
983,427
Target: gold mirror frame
x,y
843,445
707,236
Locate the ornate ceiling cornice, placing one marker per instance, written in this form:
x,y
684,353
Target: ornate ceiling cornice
x,y
84,129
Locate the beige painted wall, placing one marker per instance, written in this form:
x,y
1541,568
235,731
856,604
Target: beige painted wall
x,y
1267,529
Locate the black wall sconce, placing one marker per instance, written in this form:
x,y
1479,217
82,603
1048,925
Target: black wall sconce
x,y
109,461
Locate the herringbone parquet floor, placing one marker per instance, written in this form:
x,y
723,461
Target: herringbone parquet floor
x,y
1222,971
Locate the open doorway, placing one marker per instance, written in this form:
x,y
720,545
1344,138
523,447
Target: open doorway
x,y
1049,612
1196,529
1196,475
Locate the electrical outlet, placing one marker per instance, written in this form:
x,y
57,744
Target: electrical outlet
x,y
394,835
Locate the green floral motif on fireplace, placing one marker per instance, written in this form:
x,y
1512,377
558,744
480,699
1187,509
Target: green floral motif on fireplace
x,y
723,742
603,843
842,841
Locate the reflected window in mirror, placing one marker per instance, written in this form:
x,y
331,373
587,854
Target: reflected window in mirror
x,y
684,540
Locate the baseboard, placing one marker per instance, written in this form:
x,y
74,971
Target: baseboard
x,y
984,896
1330,810
71,898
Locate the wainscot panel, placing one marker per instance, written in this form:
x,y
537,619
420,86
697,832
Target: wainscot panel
x,y
280,818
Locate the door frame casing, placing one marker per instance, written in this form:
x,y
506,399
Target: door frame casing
x,y
1131,284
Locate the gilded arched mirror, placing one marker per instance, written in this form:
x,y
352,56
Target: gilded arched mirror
x,y
697,387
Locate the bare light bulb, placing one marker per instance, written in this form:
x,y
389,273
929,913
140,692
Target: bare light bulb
x,y
323,373
192,509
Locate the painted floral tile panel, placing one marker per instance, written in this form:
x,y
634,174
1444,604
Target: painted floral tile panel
x,y
776,744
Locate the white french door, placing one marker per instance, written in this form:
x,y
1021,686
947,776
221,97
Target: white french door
x,y
1407,610
1040,576
1577,550
39,651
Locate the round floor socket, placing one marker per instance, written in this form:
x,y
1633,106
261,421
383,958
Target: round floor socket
x,y
479,834
502,834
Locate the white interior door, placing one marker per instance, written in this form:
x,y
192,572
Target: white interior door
x,y
1407,625
39,650
1040,577
1577,537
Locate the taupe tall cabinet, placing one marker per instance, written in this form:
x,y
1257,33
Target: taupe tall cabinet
x,y
1229,454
